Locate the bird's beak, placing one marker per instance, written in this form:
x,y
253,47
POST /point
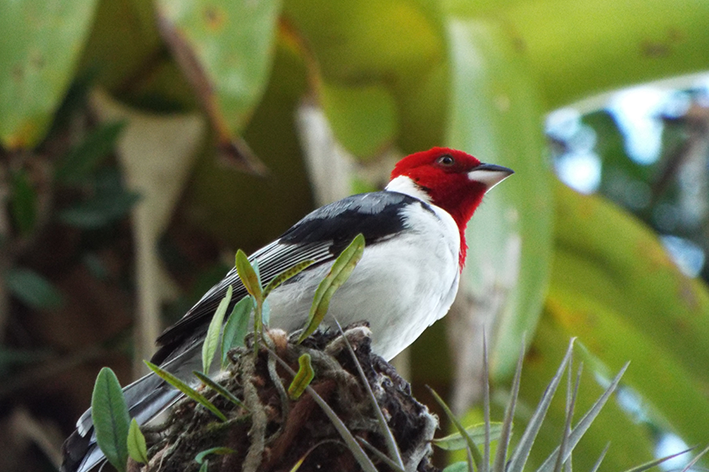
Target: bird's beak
x,y
489,174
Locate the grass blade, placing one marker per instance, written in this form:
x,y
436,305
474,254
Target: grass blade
x,y
186,389
504,444
472,448
388,436
486,405
220,451
521,454
219,389
338,275
456,441
585,422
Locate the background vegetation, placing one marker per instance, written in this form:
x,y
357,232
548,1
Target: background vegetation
x,y
142,142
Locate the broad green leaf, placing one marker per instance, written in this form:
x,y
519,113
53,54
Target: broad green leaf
x,y
394,46
23,202
456,441
231,45
81,160
363,118
302,378
41,43
221,451
338,275
575,50
211,340
285,275
236,327
186,389
495,114
109,414
137,449
33,289
615,288
248,275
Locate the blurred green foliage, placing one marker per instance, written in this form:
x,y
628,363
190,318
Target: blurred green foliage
x,y
389,75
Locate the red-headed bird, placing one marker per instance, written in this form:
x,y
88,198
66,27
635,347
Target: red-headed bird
x,y
406,279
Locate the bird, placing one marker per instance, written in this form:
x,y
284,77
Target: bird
x,y
407,277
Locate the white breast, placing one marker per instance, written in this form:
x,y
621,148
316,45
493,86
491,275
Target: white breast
x,y
401,286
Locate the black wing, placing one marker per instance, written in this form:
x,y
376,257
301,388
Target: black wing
x,y
321,236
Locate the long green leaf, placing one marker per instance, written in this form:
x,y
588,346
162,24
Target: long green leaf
x,y
219,389
285,275
500,461
456,441
584,423
221,451
236,327
137,449
248,275
521,454
211,340
471,446
338,275
109,414
186,389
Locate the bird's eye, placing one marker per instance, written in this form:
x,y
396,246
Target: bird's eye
x,y
446,160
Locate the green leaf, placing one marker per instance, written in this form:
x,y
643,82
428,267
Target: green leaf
x,y
302,379
456,441
231,44
285,275
614,286
521,453
80,161
219,389
248,275
136,443
41,44
338,275
211,340
236,327
109,414
457,467
221,451
99,211
33,289
494,113
364,118
23,202
470,444
205,466
186,389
